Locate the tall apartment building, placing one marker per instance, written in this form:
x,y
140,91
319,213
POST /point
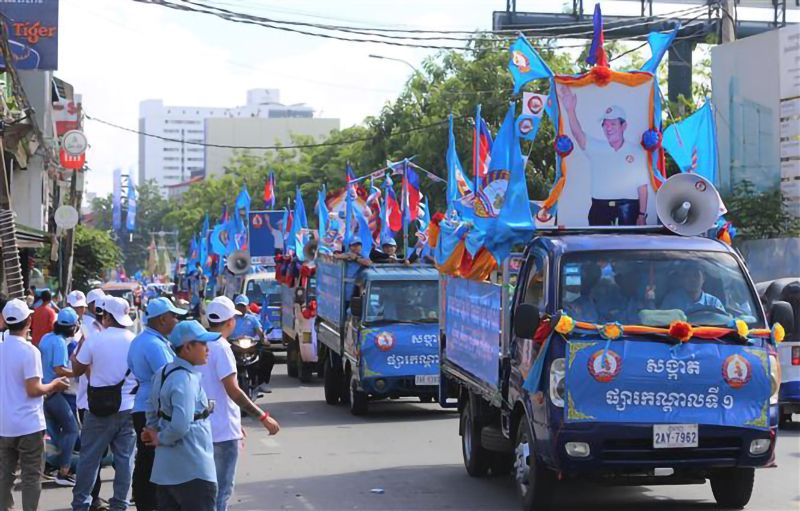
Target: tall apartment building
x,y
183,157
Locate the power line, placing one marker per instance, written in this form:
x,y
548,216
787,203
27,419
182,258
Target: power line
x,y
273,147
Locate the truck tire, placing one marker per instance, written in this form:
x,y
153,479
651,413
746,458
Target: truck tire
x,y
732,487
359,400
305,371
476,458
333,383
534,482
292,355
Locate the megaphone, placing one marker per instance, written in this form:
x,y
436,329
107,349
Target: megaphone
x,y
688,204
238,262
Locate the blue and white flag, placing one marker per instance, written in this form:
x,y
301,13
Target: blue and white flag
x,y
692,143
130,220
525,64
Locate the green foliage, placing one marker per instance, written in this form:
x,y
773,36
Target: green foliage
x,y
95,253
760,215
151,213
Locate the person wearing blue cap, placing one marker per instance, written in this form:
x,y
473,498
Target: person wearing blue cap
x,y
178,426
248,325
388,253
149,352
61,421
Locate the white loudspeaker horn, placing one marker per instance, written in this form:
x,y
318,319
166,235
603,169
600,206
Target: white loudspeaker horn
x,y
238,262
688,204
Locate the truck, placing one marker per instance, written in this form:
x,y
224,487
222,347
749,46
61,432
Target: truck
x,y
261,288
621,358
377,328
298,315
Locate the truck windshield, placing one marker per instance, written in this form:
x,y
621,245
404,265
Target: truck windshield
x,y
413,301
655,288
256,290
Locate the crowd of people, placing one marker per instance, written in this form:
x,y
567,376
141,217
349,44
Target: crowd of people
x,y
78,388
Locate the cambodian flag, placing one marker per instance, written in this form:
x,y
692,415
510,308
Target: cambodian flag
x,y
350,177
411,189
269,191
597,54
393,215
482,147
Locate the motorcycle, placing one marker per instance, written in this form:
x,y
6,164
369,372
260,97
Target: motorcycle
x,y
245,351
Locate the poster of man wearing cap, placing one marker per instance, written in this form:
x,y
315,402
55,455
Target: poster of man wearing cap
x,y
607,180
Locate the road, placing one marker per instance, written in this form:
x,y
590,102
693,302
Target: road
x,y
407,456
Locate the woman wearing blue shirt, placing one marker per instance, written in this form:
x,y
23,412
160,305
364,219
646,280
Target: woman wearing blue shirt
x,y
58,414
178,425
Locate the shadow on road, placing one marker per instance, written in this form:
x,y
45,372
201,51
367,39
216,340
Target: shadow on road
x,y
441,487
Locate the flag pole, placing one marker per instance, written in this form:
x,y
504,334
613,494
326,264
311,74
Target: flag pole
x,y
405,208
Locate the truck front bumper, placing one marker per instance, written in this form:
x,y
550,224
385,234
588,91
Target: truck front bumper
x,y
618,450
396,386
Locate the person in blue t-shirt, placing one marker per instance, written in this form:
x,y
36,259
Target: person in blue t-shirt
x,y
248,325
690,295
61,422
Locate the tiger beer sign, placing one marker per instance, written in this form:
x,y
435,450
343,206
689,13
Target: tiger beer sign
x,y
32,26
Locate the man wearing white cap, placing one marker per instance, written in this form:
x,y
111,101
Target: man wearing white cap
x,y
77,300
111,393
91,324
618,166
22,421
220,384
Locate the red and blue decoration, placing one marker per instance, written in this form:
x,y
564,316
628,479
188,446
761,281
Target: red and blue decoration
x,y
651,140
564,145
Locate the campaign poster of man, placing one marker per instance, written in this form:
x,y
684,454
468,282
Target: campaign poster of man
x,y
607,177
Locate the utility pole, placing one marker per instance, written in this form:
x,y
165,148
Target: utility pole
x,y
75,196
728,27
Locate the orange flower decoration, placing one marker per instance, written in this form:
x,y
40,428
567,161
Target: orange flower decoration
x,y
681,331
602,75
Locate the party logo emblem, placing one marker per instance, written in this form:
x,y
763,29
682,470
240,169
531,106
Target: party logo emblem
x,y
604,365
736,371
385,341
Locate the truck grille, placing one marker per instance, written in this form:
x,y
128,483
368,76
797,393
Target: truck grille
x,y
641,449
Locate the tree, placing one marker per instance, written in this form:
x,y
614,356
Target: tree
x,y
151,213
95,253
760,215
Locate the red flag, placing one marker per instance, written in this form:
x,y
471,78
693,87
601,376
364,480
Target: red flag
x,y
411,187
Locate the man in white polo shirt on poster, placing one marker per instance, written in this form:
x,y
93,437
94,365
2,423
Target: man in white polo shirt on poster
x,y
618,166
108,423
22,421
220,385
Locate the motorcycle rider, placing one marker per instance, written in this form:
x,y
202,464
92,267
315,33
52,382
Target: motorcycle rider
x,y
248,325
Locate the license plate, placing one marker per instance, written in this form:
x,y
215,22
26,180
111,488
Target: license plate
x,y
426,379
674,436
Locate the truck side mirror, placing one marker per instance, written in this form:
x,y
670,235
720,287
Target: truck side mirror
x,y
781,312
526,320
356,306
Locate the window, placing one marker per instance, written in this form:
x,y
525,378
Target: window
x,y
172,158
172,131
172,168
194,150
657,287
171,149
534,290
194,159
402,301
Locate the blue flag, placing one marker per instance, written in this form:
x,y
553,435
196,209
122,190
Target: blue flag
x,y
204,244
348,219
458,185
297,238
659,44
218,244
528,126
514,223
364,234
116,201
130,221
526,65
243,201
692,143
322,215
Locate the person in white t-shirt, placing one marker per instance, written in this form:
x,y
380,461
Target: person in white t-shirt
x,y
617,166
220,385
108,423
22,421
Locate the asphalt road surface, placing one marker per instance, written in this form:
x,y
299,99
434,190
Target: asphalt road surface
x,y
407,456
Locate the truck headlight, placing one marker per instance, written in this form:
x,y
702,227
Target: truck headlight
x,y
558,381
774,378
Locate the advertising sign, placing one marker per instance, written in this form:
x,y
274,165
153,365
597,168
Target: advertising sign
x,y
606,167
329,287
658,383
472,327
400,350
33,33
265,236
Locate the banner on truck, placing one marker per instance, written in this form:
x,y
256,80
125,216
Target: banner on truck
x,y
472,327
659,383
265,236
400,350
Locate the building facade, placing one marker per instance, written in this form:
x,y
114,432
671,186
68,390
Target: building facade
x,y
172,142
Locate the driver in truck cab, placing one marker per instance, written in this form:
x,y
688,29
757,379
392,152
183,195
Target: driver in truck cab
x,y
690,295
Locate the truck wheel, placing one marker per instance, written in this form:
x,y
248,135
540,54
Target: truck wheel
x,y
501,463
359,401
333,384
476,458
305,370
292,355
732,487
535,484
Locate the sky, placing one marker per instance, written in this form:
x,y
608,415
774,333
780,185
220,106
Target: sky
x,y
117,53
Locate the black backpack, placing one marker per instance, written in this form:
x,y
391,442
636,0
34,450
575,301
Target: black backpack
x,y
105,401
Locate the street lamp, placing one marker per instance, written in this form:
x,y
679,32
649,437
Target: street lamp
x,y
381,57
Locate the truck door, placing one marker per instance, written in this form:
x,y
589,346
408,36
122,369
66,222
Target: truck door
x,y
531,288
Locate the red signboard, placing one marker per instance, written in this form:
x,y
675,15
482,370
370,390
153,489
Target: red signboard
x,y
72,162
